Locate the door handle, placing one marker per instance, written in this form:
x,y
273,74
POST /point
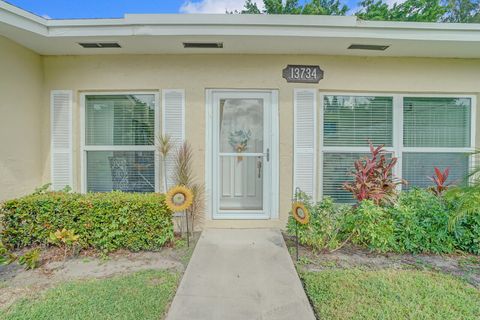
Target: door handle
x,y
259,167
267,154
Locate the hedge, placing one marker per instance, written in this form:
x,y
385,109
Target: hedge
x,y
104,221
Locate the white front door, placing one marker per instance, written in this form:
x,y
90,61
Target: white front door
x,y
241,146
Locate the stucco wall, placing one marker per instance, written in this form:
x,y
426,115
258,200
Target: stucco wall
x,y
195,73
21,98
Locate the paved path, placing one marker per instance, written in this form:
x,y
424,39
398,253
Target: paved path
x,y
242,274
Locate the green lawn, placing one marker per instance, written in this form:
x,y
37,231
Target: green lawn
x,y
390,294
143,295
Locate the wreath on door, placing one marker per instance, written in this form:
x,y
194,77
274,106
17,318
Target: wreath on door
x,y
238,140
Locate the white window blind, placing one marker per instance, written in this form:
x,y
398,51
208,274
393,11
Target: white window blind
x,y
354,120
127,171
120,120
304,106
336,170
120,142
418,166
436,122
61,139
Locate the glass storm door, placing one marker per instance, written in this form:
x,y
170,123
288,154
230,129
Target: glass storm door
x,y
241,154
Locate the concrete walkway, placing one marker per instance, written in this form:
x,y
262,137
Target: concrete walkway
x,y
242,274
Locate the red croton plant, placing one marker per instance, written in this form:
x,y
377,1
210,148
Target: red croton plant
x,y
373,178
440,180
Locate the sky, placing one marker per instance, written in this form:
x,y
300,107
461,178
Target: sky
x,y
63,9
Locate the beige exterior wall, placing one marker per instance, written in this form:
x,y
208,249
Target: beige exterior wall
x,y
21,120
196,73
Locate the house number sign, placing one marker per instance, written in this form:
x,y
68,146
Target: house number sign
x,y
302,73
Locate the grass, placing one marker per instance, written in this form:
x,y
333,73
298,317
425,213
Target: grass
x,y
143,295
390,294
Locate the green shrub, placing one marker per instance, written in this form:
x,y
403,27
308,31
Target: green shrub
x,y
6,257
467,234
325,229
371,225
421,223
30,259
104,221
464,203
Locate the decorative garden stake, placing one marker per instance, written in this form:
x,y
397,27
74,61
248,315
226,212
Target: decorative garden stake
x,y
300,214
180,198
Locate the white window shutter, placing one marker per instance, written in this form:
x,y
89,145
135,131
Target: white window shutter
x,y
305,119
173,125
61,138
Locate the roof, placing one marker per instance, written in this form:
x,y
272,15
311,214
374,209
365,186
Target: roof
x,y
242,34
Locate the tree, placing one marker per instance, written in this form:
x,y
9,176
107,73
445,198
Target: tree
x,y
325,7
462,11
312,7
273,7
466,11
373,10
418,10
410,10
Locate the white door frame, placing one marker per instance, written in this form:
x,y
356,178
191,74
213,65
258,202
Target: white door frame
x,y
271,194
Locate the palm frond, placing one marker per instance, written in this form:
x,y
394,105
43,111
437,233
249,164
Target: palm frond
x,y
164,145
183,165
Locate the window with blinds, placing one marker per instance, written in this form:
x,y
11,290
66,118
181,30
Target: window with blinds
x,y
436,122
436,132
354,120
349,123
119,142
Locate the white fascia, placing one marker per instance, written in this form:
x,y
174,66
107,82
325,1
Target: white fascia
x,y
238,25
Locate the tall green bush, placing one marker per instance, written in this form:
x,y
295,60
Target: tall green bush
x,y
104,221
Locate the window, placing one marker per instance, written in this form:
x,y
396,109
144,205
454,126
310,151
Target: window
x,y
422,131
436,133
120,142
349,123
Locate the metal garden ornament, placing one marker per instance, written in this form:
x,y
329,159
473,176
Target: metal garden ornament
x,y
300,214
179,199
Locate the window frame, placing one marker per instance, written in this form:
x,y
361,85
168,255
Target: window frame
x,y
84,148
397,148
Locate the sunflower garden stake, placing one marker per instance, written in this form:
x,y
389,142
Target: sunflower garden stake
x,y
300,214
180,198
